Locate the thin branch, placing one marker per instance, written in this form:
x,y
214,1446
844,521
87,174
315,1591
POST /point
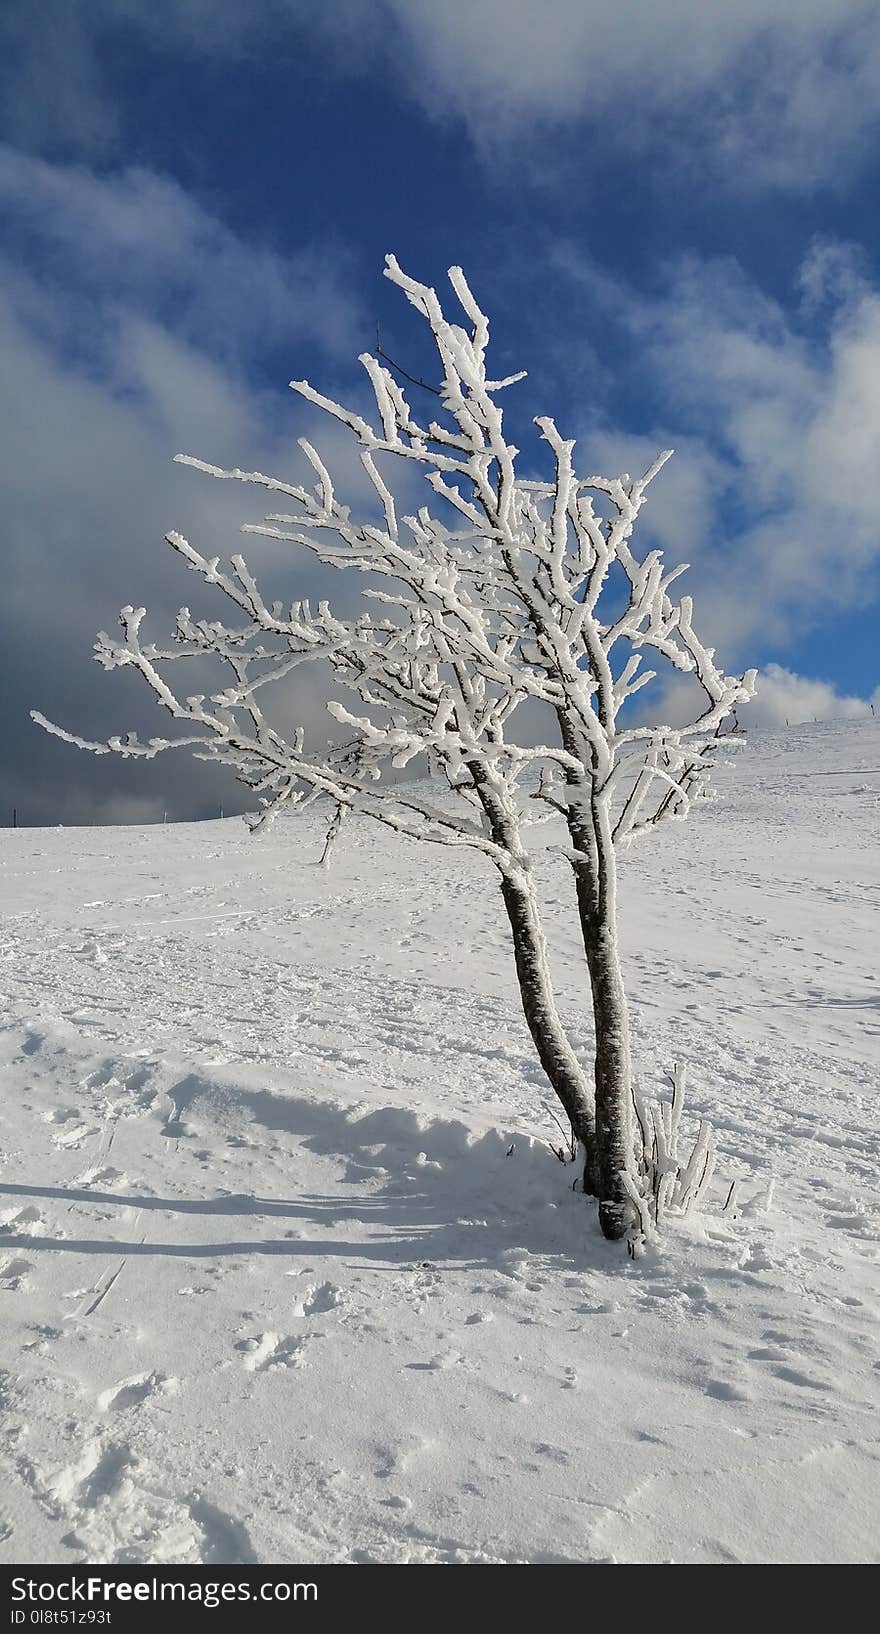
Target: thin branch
x,y
413,379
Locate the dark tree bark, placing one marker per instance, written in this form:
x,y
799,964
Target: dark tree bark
x,y
596,886
564,1071
556,1055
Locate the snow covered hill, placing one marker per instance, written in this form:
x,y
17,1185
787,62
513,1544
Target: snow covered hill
x,y
289,1272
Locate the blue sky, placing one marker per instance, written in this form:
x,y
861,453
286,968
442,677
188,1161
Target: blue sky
x,y
669,210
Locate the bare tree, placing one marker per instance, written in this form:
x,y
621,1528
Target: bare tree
x,y
490,598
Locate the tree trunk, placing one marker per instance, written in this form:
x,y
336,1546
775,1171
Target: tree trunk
x,y
554,1051
613,1084
596,884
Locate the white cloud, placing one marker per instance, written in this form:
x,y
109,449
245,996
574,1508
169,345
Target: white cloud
x,y
681,512
137,239
777,434
785,698
832,272
782,95
786,95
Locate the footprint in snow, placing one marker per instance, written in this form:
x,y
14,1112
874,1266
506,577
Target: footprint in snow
x,y
96,1474
556,1455
131,1392
394,1460
97,1176
13,1273
102,1077
45,1338
27,1221
75,1137
318,1300
265,1352
793,1375
438,1364
725,1390
858,1225
118,1513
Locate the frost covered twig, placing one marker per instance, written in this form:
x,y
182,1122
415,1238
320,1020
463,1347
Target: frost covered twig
x,y
332,835
661,1182
567,1151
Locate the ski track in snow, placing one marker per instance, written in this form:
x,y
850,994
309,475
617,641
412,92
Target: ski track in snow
x,y
289,1271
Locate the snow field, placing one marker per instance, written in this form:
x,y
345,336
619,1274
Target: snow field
x,y
288,1270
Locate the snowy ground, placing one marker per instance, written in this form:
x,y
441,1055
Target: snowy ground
x,y
275,1287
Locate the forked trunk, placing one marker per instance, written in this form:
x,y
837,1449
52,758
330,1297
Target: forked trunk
x,y
554,1051
556,1055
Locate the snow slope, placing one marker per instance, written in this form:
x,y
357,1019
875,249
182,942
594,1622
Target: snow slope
x,y
288,1271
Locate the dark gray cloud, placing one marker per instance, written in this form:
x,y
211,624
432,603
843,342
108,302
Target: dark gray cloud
x,y
103,382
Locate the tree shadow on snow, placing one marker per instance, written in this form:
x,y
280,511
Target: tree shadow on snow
x,y
420,1190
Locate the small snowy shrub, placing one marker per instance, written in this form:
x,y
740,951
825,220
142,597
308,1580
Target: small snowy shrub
x,y
661,1182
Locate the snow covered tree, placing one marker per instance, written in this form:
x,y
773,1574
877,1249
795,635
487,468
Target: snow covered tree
x,y
490,598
